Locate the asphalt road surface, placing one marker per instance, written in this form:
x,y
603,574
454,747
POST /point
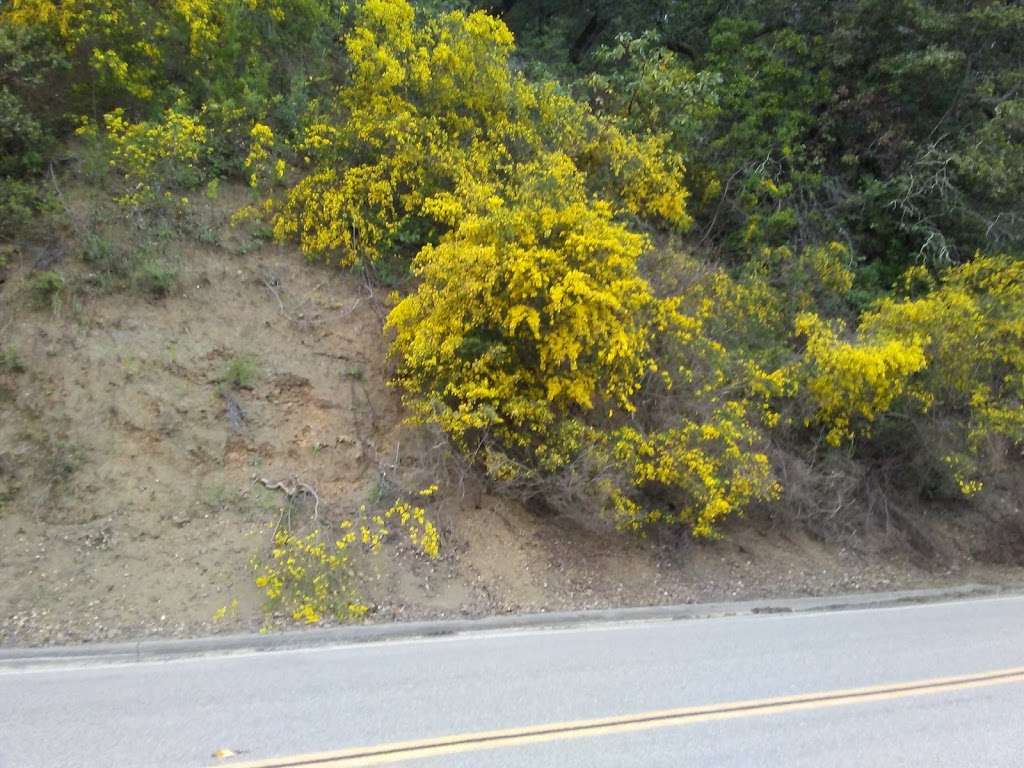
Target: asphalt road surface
x,y
939,684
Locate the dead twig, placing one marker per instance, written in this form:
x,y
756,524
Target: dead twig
x,y
270,287
297,488
351,309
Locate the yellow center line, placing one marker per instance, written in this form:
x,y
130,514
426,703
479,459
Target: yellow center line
x,y
395,752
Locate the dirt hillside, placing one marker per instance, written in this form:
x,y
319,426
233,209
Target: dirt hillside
x,y
139,435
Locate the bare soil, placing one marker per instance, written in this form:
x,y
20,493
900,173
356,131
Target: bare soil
x,y
132,493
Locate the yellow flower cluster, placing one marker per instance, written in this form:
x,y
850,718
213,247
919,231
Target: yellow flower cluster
x,y
158,53
412,520
264,170
312,579
973,323
526,310
421,532
152,157
852,383
710,469
309,579
434,108
202,21
73,19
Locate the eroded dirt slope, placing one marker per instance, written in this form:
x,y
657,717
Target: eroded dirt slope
x,y
133,471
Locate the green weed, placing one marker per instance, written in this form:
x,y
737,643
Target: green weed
x,y
46,289
11,362
155,277
241,372
355,373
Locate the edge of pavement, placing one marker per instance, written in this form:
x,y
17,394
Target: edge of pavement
x,y
14,658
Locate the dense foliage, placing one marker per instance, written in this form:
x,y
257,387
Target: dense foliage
x,y
642,254
431,120
891,125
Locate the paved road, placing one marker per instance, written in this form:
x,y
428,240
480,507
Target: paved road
x,y
177,713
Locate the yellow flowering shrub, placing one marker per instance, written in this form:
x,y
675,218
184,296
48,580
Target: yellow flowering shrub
x,y
138,44
852,383
311,578
226,62
434,107
533,341
705,469
697,450
530,336
972,322
112,37
153,158
529,308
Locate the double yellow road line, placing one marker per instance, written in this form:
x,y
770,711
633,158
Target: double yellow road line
x,y
397,752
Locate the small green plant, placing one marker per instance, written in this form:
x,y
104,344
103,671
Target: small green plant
x,y
111,266
11,362
119,266
63,461
241,372
380,490
218,497
98,251
155,277
355,373
263,232
7,254
47,288
392,270
21,202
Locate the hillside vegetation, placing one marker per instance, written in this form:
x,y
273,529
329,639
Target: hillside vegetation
x,y
659,262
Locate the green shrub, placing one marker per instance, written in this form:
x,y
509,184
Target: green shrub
x,y
241,372
11,362
21,203
111,265
227,63
46,289
30,64
155,277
